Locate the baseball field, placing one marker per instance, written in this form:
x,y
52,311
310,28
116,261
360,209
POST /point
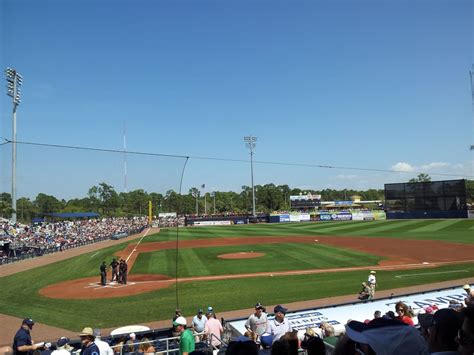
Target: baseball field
x,y
233,267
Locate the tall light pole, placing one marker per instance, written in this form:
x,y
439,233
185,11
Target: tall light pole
x,y
14,81
471,74
250,143
196,195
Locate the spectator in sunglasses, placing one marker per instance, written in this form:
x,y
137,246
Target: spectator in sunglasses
x,y
403,313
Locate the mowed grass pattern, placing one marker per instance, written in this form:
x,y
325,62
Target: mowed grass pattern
x,y
457,230
20,296
277,257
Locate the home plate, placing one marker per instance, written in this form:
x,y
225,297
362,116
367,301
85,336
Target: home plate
x,y
425,263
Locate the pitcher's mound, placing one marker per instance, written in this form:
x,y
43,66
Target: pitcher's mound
x,y
89,288
241,255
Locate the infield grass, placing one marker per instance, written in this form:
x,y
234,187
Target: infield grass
x,y
277,257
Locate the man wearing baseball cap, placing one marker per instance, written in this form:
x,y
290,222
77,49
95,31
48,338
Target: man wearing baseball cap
x,y
257,322
186,340
199,323
22,343
87,341
279,325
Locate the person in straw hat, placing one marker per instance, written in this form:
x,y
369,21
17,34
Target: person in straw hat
x,y
87,341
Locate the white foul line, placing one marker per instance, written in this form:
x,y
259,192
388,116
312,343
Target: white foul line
x,y
430,273
135,249
94,254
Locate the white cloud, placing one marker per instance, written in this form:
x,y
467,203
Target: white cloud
x,y
403,167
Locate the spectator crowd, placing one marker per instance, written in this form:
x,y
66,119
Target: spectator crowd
x,y
446,331
46,237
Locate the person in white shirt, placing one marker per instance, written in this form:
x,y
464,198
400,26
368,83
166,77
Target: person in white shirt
x,y
372,282
199,324
257,322
103,346
279,325
62,347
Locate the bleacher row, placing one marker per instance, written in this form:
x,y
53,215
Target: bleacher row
x,y
447,331
19,241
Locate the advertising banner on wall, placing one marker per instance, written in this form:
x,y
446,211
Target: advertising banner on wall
x,y
341,216
325,217
212,223
305,217
284,218
294,217
337,316
368,215
357,216
167,214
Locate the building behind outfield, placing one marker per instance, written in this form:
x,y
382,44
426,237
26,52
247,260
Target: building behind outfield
x,y
433,199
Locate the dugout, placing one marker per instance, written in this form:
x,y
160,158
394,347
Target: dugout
x,y
432,199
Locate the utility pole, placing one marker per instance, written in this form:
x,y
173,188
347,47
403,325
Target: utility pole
x,y
250,143
14,81
214,195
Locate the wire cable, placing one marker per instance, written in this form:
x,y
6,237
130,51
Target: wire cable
x,y
177,229
319,166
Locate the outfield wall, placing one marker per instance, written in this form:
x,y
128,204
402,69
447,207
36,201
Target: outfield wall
x,y
327,216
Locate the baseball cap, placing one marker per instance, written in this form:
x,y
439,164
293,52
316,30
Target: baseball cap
x,y
87,331
280,308
466,287
259,306
373,272
200,310
446,319
62,341
210,309
28,321
180,321
387,336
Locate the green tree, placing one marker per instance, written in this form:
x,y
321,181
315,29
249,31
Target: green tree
x,y
5,205
47,204
420,178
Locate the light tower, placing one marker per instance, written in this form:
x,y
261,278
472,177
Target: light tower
x,y
250,143
14,81
471,76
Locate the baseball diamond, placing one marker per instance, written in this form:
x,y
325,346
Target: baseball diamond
x,y
311,260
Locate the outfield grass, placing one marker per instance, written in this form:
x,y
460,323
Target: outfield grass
x,y
19,293
453,230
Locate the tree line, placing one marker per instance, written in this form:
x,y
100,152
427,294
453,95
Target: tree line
x,y
104,199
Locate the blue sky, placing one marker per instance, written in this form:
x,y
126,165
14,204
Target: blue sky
x,y
366,84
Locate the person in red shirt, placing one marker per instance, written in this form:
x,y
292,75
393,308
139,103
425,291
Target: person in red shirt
x,y
403,313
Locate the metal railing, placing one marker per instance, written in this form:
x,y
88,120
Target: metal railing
x,y
166,345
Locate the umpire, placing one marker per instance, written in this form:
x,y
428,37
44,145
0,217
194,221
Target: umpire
x,y
103,273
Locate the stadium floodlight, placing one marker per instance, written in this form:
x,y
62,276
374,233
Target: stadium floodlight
x,y
250,143
14,81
